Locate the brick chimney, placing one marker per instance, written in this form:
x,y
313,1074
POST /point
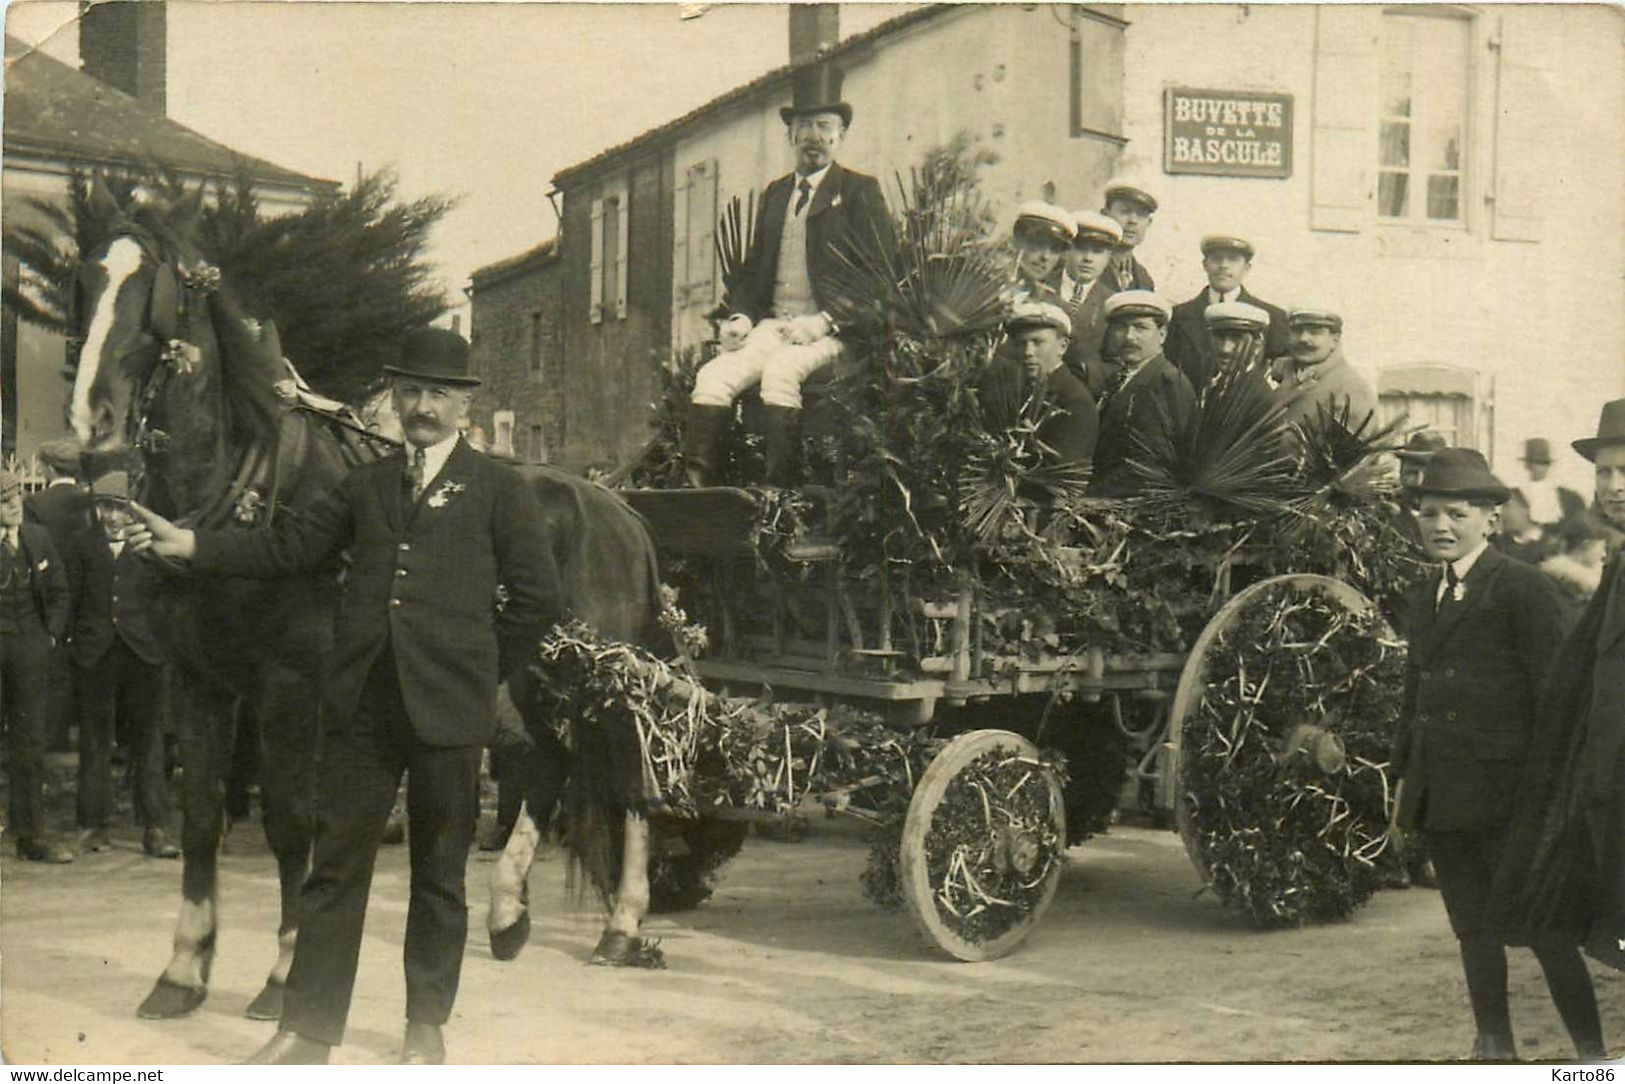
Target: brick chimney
x,y
814,28
124,44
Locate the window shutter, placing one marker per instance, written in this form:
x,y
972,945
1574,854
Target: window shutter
x,y
595,289
1522,91
1343,153
622,206
708,241
680,240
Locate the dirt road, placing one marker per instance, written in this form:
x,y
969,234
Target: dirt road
x,y
788,963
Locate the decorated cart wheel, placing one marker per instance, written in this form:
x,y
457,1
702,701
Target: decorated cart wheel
x,y
983,844
1278,735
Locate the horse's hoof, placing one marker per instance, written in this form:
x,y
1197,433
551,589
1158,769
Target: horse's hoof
x,y
506,943
267,1005
616,949
170,1001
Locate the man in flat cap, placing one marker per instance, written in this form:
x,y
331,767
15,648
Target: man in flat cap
x,y
1238,332
63,508
1226,258
411,687
118,666
1146,395
1132,206
1549,503
778,330
1041,236
1085,286
1316,375
33,615
1035,373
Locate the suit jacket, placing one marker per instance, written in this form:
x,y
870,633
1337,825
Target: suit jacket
x,y
1190,347
1332,382
47,579
1471,683
848,210
1089,330
1073,426
1141,278
112,597
423,580
60,509
1154,398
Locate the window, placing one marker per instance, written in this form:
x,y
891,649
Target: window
x,y
1096,75
538,445
609,248
535,342
696,258
1422,140
1436,397
502,437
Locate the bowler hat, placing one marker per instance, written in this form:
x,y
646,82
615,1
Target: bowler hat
x,y
11,486
816,88
1610,430
434,354
1537,450
1421,446
61,455
114,486
1030,314
1461,473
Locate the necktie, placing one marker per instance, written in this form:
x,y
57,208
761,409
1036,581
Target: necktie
x,y
1451,582
414,473
805,188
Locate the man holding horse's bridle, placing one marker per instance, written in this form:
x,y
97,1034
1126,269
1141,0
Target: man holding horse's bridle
x,y
420,649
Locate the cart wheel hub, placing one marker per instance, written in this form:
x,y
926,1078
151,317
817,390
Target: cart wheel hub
x,y
1019,852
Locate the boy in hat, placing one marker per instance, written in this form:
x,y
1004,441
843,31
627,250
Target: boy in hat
x,y
411,686
1144,394
1549,503
1084,287
1226,258
1317,374
33,614
118,667
1038,331
1132,206
1483,629
778,331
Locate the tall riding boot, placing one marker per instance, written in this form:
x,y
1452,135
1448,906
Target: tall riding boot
x,y
782,443
701,440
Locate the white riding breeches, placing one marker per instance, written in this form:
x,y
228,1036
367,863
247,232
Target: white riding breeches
x,y
766,358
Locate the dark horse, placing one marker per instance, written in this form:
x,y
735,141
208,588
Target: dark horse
x,y
169,368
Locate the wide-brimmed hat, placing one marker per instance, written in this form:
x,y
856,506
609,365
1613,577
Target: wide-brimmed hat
x,y
1460,473
435,354
112,486
1610,430
11,486
1040,221
816,88
1121,188
1422,445
1096,227
1226,242
1031,314
1129,303
1235,316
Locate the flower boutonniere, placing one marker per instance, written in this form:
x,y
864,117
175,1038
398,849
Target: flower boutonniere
x,y
1459,591
445,492
836,202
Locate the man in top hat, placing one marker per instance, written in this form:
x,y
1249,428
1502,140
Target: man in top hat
x,y
1085,287
1483,629
779,331
411,686
1227,259
1145,394
1549,503
1038,330
1041,236
118,667
63,508
1132,206
1316,374
1563,870
33,614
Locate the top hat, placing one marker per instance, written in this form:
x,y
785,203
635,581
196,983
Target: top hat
x,y
816,88
1097,228
1031,314
1235,316
114,486
11,486
1226,242
1610,430
434,354
1128,303
1134,193
1461,473
1537,450
1421,446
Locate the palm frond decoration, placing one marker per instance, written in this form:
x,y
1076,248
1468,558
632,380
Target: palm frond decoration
x,y
1341,453
1232,453
735,233
1009,471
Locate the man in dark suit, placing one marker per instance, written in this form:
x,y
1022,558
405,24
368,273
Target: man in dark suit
x,y
1071,425
1132,205
1144,394
63,508
419,650
1483,629
118,670
779,331
1085,288
33,614
1227,259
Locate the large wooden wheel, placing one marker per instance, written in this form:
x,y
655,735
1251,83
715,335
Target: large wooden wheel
x,y
1310,747
983,845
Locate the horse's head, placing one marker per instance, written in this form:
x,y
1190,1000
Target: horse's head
x,y
127,301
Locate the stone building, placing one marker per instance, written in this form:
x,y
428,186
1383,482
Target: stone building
x,y
515,348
